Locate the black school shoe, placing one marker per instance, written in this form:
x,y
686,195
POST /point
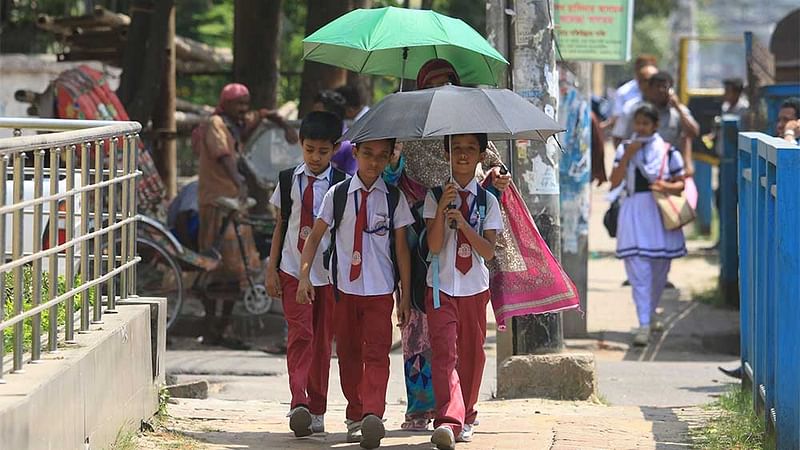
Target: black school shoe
x,y
372,431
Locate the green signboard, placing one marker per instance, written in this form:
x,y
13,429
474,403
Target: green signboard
x,y
594,30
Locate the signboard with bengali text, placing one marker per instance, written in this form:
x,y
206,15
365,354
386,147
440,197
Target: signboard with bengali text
x,y
594,30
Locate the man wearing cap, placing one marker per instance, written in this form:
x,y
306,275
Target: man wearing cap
x,y
218,176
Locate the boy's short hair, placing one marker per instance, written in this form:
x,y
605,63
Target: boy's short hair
x,y
647,110
483,140
332,101
662,77
352,95
392,141
321,125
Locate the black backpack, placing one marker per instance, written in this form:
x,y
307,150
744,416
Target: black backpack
x,y
285,180
339,203
421,257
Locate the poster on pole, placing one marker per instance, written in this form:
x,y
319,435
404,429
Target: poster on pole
x,y
594,30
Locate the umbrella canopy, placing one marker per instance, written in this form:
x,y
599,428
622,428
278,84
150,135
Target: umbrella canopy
x,y
447,110
375,41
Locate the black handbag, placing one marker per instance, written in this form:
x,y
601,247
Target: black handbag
x,y
611,217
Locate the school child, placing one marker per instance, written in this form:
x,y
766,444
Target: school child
x,y
462,223
646,163
368,254
297,198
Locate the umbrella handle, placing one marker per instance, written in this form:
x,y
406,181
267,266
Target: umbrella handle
x,y
403,70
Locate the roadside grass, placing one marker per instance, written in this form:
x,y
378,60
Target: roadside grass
x,y
734,426
27,303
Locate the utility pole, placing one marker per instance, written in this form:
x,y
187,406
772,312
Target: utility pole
x,y
535,165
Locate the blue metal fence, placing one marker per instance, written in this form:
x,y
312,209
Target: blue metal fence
x,y
769,268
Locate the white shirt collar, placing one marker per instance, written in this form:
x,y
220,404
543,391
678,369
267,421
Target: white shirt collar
x,y
472,187
302,168
356,184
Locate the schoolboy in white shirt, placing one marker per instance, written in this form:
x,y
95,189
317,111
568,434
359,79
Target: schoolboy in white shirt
x,y
297,199
367,219
462,225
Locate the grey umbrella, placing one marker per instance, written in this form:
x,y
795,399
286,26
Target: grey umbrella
x,y
448,110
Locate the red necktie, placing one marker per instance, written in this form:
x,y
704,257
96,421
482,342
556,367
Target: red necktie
x,y
358,236
463,249
306,214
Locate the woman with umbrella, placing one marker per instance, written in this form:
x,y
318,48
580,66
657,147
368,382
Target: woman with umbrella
x,y
417,166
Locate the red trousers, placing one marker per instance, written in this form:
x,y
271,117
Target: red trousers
x,y
363,341
308,346
457,332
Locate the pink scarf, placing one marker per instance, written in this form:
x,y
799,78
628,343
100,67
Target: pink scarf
x,y
543,287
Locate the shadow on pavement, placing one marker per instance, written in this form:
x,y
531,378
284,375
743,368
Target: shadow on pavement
x,y
269,440
669,430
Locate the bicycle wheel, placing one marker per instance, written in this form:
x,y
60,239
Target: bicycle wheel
x,y
158,275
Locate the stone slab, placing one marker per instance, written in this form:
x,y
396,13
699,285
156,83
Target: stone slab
x,y
561,376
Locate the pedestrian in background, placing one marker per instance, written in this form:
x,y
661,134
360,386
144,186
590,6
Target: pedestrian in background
x,y
647,163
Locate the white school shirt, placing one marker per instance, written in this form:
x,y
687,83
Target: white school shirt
x,y
451,281
290,256
377,268
628,91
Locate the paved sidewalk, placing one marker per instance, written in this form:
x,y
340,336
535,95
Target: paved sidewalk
x,y
653,393
505,425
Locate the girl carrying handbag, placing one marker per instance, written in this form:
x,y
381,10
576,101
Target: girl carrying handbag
x,y
675,209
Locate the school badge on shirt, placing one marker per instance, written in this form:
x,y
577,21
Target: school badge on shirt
x,y
356,258
305,232
464,251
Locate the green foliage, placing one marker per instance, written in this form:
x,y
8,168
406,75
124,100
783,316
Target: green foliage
x,y
27,297
735,427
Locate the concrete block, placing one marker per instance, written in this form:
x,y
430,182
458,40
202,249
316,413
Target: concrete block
x,y
195,389
87,392
562,376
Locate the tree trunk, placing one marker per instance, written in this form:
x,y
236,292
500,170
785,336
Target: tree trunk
x,y
165,153
318,76
256,49
144,57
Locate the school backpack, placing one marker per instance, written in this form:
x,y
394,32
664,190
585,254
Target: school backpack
x,y
285,183
421,257
339,203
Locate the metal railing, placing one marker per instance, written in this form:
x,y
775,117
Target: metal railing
x,y
79,180
769,264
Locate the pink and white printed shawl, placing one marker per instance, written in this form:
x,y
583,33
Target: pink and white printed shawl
x,y
525,276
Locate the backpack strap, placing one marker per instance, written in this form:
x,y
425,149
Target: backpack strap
x,y
481,209
285,185
392,199
437,194
337,176
339,203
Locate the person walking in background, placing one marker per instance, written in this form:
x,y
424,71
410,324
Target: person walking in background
x,y
647,163
310,326
676,125
631,91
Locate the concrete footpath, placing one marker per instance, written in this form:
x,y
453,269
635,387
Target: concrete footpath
x,y
649,398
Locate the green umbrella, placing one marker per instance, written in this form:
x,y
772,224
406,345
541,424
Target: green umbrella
x,y
398,41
